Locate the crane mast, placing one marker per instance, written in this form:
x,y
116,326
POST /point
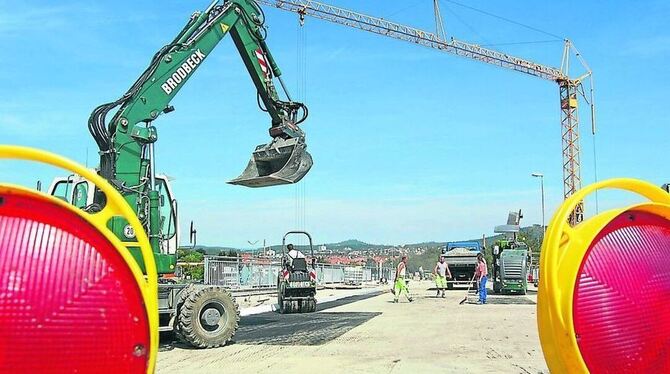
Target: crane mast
x,y
569,88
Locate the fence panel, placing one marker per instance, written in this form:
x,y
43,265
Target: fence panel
x,y
261,273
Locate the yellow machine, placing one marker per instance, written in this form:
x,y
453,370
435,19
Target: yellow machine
x,y
602,300
71,287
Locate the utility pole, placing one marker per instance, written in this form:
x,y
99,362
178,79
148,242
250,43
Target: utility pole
x,y
541,176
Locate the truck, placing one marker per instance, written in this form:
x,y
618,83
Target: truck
x,y
204,316
511,259
461,258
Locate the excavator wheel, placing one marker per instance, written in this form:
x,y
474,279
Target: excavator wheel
x,y
208,316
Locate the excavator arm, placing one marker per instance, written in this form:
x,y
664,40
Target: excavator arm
x,y
126,141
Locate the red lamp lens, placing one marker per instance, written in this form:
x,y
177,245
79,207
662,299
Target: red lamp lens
x,y
68,301
621,304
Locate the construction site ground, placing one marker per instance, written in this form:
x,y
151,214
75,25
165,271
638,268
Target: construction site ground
x,y
368,333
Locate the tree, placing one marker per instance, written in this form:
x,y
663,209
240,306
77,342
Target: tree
x,y
197,272
192,257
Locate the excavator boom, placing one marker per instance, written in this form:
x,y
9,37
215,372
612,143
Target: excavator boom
x,y
126,142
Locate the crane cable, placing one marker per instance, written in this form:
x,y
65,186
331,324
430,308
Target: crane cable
x,y
505,19
300,189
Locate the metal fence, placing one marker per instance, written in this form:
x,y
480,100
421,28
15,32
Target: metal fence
x,y
259,273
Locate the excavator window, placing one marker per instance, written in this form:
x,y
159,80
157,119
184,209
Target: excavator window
x,y
80,195
62,190
166,210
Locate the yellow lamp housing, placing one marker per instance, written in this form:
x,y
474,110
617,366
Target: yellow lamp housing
x,y
604,293
72,297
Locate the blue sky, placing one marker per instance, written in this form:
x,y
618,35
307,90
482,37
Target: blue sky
x,y
409,144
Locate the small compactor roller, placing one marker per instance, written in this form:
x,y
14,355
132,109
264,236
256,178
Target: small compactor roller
x,y
296,281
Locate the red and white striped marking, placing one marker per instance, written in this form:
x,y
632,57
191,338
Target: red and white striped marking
x,y
263,63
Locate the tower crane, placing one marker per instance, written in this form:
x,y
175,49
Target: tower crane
x,y
570,88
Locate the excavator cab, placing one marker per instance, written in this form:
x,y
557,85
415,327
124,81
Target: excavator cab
x,y
283,161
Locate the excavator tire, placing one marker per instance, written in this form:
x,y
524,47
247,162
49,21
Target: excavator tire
x,y
208,316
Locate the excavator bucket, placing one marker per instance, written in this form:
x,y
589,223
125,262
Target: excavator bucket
x,y
283,161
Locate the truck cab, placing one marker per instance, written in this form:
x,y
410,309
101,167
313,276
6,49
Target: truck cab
x,y
461,258
80,192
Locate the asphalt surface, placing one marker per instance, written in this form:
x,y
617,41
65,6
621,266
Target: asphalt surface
x,y
292,329
371,334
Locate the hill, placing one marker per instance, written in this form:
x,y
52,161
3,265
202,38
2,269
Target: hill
x,y
531,235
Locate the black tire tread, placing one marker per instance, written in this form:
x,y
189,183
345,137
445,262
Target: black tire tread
x,y
184,326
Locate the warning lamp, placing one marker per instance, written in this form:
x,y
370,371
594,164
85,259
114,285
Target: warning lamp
x,y
72,298
604,296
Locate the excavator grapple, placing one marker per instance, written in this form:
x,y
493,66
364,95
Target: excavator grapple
x,y
283,161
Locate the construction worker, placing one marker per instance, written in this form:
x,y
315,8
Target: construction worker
x,y
399,284
292,254
442,273
481,274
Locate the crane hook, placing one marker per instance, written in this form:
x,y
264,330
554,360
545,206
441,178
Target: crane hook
x,y
302,12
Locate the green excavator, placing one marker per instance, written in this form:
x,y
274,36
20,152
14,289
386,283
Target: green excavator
x,y
202,315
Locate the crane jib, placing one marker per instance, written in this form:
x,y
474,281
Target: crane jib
x,y
183,71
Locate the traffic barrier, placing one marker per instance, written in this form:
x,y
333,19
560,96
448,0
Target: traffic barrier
x,y
604,286
72,297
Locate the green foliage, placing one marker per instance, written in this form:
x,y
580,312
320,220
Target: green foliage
x,y
191,272
427,260
197,273
190,256
228,253
488,256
